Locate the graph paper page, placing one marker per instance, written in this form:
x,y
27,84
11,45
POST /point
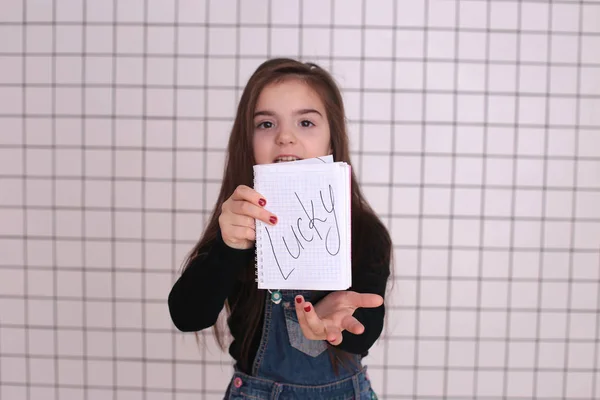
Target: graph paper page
x,y
309,247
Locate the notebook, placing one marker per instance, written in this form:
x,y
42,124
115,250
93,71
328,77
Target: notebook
x,y
310,246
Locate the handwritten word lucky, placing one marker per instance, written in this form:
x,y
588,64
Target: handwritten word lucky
x,y
322,227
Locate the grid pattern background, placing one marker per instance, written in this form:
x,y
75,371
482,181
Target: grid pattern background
x,y
475,131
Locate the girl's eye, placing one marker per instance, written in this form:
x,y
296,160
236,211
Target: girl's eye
x,y
265,125
306,123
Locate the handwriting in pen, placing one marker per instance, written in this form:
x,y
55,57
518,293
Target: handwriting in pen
x,y
311,226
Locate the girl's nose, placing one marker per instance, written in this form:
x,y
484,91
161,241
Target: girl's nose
x,y
285,136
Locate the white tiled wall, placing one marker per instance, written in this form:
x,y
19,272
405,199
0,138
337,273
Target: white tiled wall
x,y
475,129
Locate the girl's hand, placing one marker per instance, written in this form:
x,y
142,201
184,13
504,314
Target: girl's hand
x,y
238,215
333,315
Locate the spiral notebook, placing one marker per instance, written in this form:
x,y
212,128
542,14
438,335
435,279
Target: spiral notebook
x,y
310,246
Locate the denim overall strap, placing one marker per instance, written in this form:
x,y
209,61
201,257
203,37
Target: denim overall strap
x,y
262,347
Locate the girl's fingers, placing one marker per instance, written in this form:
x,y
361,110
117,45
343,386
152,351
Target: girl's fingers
x,y
307,331
312,326
242,220
245,208
299,301
352,325
334,335
243,233
243,192
249,203
363,300
313,321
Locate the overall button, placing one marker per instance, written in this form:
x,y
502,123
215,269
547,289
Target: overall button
x,y
237,382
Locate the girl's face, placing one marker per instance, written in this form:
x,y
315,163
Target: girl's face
x,y
290,123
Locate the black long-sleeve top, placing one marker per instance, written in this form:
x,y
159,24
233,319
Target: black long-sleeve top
x,y
198,296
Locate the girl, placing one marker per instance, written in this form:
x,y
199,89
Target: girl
x,y
310,345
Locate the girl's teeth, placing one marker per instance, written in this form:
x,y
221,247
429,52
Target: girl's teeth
x,y
284,159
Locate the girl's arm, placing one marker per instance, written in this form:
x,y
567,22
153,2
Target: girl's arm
x,y
198,296
371,276
352,320
373,248
371,279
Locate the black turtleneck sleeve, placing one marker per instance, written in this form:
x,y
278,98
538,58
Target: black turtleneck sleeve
x,y
198,295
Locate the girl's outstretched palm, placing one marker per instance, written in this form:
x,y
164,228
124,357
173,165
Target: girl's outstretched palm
x,y
333,315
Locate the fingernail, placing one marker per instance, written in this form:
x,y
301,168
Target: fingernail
x,y
262,202
273,220
298,299
307,308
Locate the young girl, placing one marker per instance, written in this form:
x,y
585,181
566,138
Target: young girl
x,y
309,345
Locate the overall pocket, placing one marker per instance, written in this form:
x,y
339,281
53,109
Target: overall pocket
x,y
298,341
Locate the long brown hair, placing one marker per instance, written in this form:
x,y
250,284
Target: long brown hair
x,y
238,171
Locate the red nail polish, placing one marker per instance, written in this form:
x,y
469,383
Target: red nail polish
x,y
307,308
262,202
298,300
273,220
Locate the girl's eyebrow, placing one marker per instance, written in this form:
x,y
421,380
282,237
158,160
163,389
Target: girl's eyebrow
x,y
297,112
264,112
307,111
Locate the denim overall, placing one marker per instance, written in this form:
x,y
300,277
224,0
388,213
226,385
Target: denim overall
x,y
289,366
